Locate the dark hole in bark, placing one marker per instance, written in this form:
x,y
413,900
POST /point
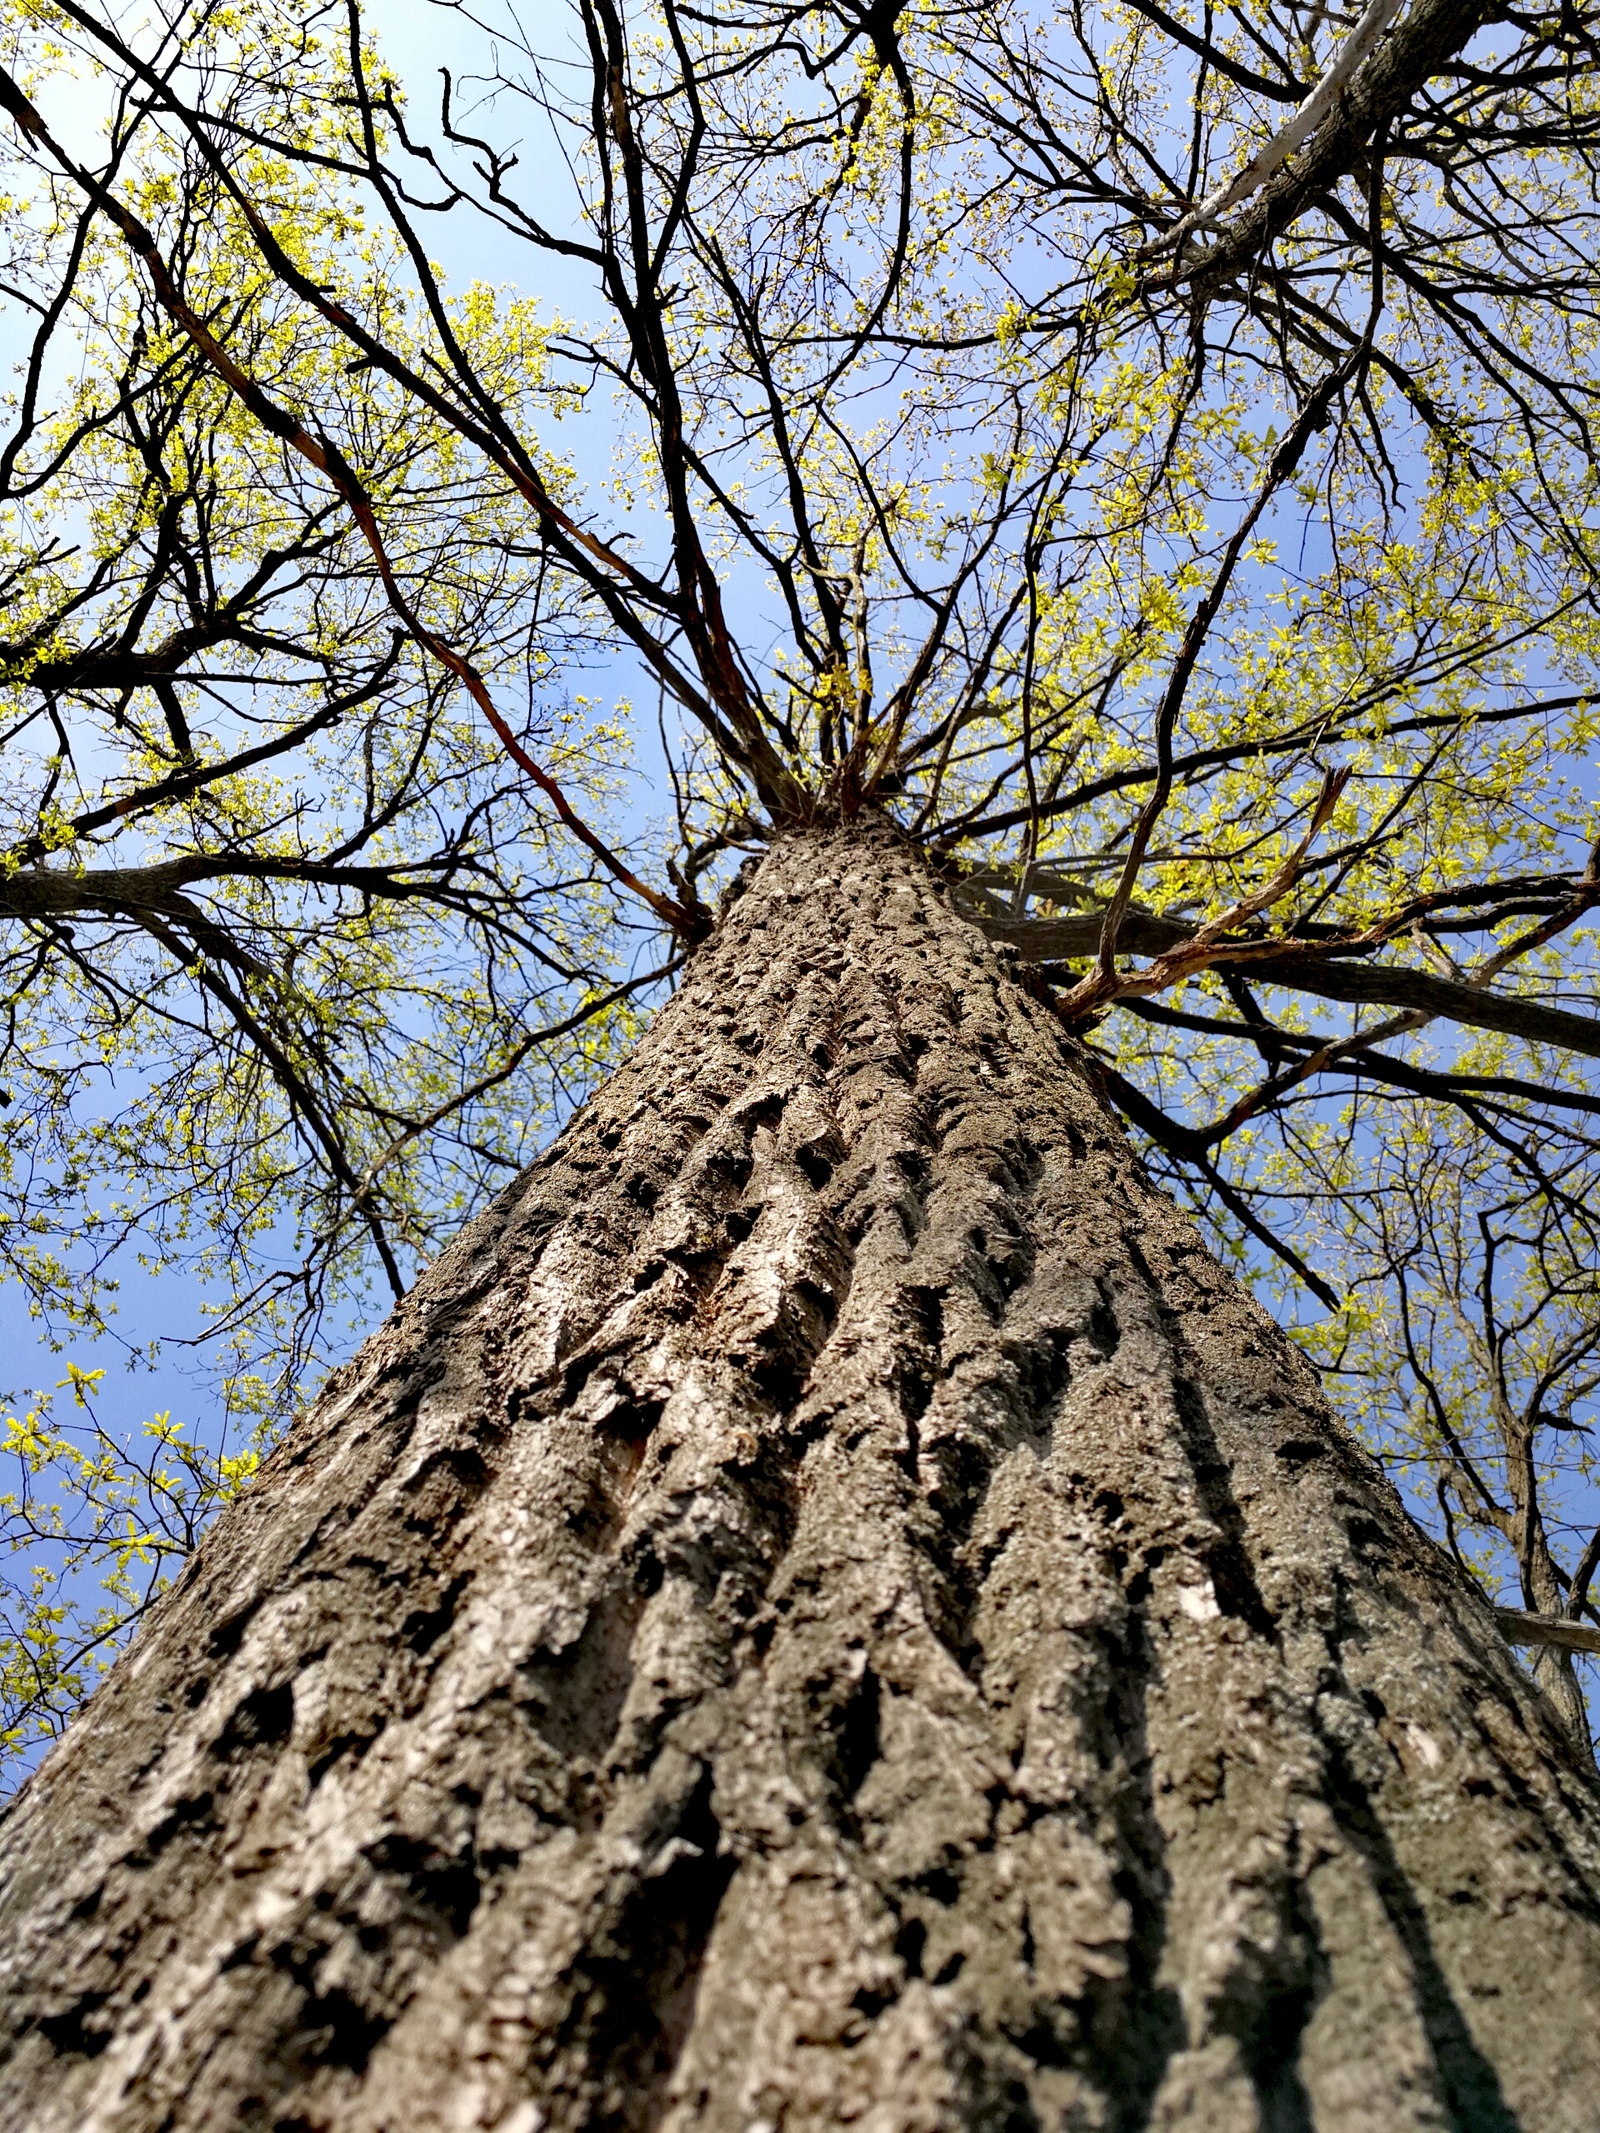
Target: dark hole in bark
x,y
781,1379
1145,2027
190,1817
1299,1452
865,2000
642,1191
424,1626
814,1166
1104,1331
70,2035
1132,2025
265,1716
909,1943
336,2030
632,1423
1366,1536
1014,1263
228,1635
1234,1583
573,1378
923,1312
819,1305
195,1694
997,1267
1266,2006
858,1743
963,1466
913,1165
1011,2112
914,1386
443,1887
455,1462
925,1309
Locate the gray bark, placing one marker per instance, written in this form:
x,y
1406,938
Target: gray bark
x,y
825,1607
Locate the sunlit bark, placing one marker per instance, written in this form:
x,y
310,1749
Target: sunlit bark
x,y
825,1607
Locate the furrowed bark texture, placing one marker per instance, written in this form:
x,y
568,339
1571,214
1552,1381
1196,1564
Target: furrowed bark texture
x,y
825,1608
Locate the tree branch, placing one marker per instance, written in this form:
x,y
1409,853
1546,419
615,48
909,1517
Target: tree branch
x,y
1519,1627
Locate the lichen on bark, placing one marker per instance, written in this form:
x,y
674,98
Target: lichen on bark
x,y
825,1607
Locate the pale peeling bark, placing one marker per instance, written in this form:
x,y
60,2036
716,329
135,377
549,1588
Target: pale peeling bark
x,y
825,1608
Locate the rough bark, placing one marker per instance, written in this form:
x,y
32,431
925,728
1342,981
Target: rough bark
x,y
825,1607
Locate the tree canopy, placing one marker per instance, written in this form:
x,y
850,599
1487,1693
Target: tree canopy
x,y
1147,452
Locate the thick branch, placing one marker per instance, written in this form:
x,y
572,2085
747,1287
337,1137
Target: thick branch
x,y
1518,1627
1329,976
1381,985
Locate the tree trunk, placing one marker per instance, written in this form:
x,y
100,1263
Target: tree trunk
x,y
825,1607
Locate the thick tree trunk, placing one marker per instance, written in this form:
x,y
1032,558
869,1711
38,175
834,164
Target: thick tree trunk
x,y
826,1607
